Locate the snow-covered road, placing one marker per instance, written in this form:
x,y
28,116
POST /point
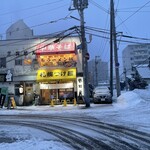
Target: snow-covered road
x,y
123,125
75,132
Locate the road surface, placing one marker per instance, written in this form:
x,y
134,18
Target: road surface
x,y
80,132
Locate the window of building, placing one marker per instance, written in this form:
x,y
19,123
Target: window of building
x,y
140,52
9,53
3,62
29,85
17,89
18,62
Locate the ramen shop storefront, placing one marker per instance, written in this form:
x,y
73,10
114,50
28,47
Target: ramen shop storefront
x,y
57,84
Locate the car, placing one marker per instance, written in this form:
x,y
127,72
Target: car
x,y
101,94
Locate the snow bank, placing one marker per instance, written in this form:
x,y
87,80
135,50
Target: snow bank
x,y
128,99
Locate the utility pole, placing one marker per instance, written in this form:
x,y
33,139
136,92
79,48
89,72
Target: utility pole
x,y
125,76
111,49
96,72
115,50
80,5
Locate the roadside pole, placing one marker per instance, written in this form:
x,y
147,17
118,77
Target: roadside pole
x,y
80,5
115,49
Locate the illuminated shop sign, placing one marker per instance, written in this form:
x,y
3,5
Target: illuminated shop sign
x,y
27,61
60,60
57,86
64,47
56,74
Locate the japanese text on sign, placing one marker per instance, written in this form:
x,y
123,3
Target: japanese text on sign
x,y
55,48
56,74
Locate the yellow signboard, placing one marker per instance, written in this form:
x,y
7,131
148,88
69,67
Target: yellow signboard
x,y
56,74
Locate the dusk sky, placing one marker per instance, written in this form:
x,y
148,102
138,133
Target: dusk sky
x,y
132,19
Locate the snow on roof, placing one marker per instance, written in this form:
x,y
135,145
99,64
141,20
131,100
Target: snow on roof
x,y
144,71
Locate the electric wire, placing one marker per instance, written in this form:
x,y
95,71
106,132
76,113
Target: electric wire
x,y
29,8
131,8
126,41
36,14
91,29
59,38
100,7
105,51
54,21
118,33
134,13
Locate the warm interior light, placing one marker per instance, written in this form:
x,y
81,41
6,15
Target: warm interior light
x,y
67,60
27,61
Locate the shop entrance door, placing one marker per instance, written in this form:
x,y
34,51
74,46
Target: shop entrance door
x,y
48,94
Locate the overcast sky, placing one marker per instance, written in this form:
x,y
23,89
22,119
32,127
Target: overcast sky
x,y
132,18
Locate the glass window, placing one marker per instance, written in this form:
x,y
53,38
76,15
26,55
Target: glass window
x,y
18,62
3,62
17,89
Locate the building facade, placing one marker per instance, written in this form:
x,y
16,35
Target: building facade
x,y
98,71
135,55
40,65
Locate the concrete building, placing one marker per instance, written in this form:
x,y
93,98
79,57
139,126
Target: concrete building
x,y
39,64
135,55
19,30
98,71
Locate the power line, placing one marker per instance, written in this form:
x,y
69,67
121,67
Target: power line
x,y
37,14
46,23
126,41
59,37
134,13
131,8
123,35
97,5
30,8
47,11
15,41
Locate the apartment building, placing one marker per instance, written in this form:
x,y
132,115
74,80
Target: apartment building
x,y
98,71
134,55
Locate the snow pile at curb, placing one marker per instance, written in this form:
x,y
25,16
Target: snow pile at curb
x,y
128,99
143,93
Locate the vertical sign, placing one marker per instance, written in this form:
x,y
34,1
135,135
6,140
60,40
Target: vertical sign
x,y
80,86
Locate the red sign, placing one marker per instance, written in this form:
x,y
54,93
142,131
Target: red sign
x,y
56,48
